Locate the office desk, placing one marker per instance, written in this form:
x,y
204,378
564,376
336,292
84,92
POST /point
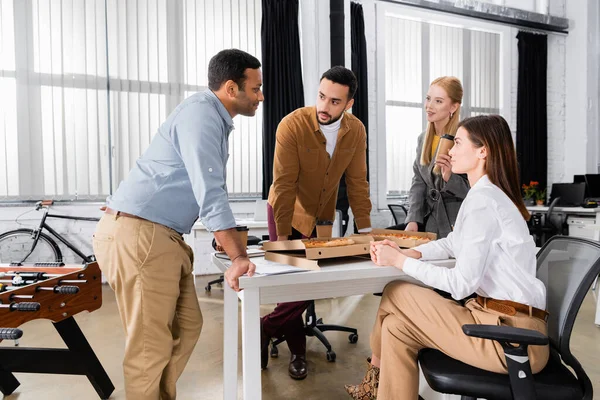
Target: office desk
x,y
346,277
569,211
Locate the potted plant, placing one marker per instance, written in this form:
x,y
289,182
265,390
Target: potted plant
x,y
529,192
540,196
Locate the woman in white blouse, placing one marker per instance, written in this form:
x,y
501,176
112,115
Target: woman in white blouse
x,y
495,259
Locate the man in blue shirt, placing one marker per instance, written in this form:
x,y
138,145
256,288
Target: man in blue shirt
x,y
138,242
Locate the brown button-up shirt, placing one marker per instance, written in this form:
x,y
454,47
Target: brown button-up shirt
x,y
306,178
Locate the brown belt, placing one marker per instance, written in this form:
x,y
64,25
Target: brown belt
x,y
124,214
121,213
511,308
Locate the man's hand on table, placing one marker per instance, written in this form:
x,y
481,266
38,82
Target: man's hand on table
x,y
240,266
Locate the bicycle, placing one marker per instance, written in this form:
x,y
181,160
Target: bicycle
x,y
20,241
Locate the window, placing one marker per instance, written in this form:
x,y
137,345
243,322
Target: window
x,y
418,48
97,78
8,113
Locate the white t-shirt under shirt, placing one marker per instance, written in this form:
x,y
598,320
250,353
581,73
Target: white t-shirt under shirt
x,y
495,254
331,133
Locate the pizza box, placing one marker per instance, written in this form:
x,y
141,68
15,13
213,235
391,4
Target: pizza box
x,y
406,243
296,260
294,252
300,260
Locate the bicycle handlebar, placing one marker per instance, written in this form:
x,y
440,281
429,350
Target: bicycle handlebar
x,y
43,203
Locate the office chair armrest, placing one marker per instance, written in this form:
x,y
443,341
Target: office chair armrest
x,y
517,359
506,334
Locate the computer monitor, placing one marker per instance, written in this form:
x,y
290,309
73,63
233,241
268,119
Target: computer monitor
x,y
593,185
571,194
581,179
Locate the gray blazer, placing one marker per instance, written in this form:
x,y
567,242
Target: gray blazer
x,y
432,199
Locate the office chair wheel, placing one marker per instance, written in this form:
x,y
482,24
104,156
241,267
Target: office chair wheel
x,y
353,338
274,352
331,356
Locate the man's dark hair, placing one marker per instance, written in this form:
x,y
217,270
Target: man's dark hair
x,y
230,65
343,76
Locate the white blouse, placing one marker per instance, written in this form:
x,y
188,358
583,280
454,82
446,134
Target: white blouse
x,y
495,254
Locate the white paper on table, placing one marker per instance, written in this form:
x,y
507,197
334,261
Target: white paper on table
x,y
266,267
251,253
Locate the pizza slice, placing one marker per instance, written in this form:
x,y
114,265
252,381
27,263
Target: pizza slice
x,y
314,243
402,236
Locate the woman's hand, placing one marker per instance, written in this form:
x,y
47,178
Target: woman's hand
x,y
412,227
387,253
443,161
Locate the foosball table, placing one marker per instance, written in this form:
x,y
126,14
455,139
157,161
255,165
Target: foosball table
x,y
56,292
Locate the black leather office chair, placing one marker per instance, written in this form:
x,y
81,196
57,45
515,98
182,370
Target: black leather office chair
x,y
399,213
316,327
542,227
567,266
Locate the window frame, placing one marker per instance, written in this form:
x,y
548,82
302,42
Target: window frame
x,y
507,74
30,186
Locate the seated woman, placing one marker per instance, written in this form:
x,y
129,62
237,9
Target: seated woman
x,y
495,258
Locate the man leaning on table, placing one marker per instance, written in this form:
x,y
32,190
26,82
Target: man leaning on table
x,y
314,147
139,244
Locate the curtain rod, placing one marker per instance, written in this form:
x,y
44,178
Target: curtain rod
x,y
525,20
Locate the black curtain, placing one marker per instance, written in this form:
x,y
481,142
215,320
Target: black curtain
x,y
360,109
282,74
532,121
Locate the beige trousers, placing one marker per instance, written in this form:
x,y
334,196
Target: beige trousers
x,y
412,317
149,267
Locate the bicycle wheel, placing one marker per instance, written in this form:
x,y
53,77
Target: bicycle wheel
x,y
14,245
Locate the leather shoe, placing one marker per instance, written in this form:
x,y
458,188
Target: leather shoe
x,y
264,349
298,368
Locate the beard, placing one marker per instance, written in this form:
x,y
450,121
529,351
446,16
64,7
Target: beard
x,y
246,106
248,110
331,120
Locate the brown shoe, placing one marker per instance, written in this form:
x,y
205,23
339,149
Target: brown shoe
x,y
367,389
298,368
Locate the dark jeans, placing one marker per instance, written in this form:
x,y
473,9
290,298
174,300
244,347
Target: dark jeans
x,y
286,318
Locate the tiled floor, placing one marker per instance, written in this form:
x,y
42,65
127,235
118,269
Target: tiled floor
x,y
202,378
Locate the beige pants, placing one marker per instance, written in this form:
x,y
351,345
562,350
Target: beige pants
x,y
411,318
149,267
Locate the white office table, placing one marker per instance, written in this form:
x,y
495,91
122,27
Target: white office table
x,y
343,277
569,211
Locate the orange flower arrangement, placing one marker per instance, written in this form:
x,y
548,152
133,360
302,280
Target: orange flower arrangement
x,y
533,191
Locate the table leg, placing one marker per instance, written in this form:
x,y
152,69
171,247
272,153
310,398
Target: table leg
x,y
597,318
230,343
251,344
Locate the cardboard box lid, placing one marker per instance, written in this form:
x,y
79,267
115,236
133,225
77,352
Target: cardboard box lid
x,y
300,260
295,260
360,246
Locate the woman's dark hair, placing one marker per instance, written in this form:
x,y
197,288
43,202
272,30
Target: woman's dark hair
x,y
343,76
493,132
230,65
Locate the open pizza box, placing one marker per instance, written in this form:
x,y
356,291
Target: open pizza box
x,y
295,252
414,239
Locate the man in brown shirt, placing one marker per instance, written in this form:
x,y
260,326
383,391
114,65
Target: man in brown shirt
x,y
314,147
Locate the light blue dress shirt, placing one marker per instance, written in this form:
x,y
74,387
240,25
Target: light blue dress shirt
x,y
182,174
